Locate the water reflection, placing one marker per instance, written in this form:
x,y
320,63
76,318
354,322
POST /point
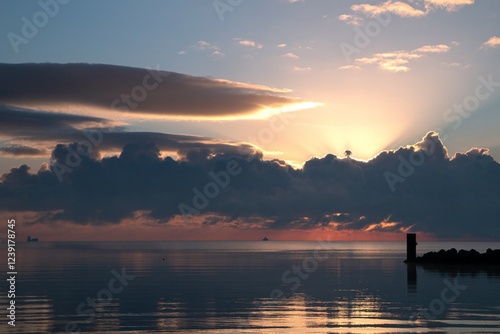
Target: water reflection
x,y
411,277
225,291
491,270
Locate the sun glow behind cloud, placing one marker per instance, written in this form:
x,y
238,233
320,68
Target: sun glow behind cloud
x,y
364,142
269,112
361,116
122,119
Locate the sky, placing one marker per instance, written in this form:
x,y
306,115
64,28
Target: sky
x,y
114,114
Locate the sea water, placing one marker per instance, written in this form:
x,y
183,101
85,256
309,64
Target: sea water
x,y
247,287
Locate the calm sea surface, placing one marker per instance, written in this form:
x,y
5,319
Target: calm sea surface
x,y
247,287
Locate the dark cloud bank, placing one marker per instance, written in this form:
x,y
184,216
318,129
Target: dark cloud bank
x,y
133,90
418,186
34,133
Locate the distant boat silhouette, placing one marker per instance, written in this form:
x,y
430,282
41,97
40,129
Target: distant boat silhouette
x,y
30,239
265,239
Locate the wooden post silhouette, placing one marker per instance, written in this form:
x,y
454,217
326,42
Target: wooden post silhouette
x,y
411,247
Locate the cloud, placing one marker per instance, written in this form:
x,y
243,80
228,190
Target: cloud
x,y
351,19
124,91
41,131
204,45
250,43
453,64
291,55
404,9
393,7
449,5
391,62
22,151
282,45
349,67
218,53
448,197
440,48
493,42
302,69
16,121
397,61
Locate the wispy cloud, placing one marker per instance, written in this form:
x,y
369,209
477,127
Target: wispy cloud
x,y
302,69
247,42
453,64
411,9
282,45
351,19
349,67
449,5
391,62
393,7
397,61
206,46
493,42
17,150
291,55
440,48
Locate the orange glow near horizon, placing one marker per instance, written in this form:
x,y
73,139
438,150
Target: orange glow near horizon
x,y
137,230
